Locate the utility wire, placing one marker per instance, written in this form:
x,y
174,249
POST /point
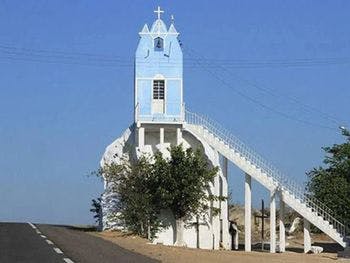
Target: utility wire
x,y
89,59
257,102
190,62
47,61
293,99
59,52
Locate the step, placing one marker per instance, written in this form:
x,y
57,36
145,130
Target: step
x,y
236,152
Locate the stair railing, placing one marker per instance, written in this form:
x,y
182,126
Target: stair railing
x,y
279,179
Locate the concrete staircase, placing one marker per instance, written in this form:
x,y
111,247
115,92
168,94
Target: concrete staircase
x,y
266,174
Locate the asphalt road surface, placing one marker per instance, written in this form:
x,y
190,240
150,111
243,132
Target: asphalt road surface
x,y
22,242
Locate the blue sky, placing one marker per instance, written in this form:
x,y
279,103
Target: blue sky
x,y
62,101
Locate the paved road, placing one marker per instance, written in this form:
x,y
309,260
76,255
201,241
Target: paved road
x,y
82,247
21,243
50,244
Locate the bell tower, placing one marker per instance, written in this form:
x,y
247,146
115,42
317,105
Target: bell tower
x,y
158,75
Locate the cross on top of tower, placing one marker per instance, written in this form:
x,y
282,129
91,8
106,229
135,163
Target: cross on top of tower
x,y
158,11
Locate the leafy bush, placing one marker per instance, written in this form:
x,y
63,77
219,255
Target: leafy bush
x,y
147,186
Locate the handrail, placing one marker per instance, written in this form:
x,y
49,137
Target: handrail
x,y
136,112
162,116
283,182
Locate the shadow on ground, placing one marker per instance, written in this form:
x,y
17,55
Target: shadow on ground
x,y
327,247
82,228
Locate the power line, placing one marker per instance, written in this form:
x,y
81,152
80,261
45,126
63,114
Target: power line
x,y
88,59
293,99
257,102
189,62
38,60
276,63
59,52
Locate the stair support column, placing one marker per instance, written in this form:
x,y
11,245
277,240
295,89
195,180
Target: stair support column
x,y
282,239
224,213
161,135
225,166
307,237
248,213
141,137
273,222
178,136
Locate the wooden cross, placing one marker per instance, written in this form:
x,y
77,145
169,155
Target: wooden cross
x,y
263,216
158,11
197,224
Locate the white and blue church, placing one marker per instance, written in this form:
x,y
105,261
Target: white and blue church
x,y
161,120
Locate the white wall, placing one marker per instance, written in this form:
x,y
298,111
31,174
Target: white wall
x,y
209,226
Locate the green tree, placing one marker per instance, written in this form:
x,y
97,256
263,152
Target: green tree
x,y
183,185
145,187
96,209
331,183
133,184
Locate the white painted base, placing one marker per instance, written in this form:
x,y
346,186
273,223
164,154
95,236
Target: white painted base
x,y
153,138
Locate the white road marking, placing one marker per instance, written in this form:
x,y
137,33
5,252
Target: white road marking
x,y
68,260
57,250
34,227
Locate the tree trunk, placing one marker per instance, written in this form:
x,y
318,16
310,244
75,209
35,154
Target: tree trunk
x,y
142,229
148,230
180,233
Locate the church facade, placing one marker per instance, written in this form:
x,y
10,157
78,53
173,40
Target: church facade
x,y
159,121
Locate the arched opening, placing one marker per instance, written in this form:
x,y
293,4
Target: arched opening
x,y
158,44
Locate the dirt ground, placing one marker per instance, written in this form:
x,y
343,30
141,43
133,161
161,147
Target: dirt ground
x,y
176,254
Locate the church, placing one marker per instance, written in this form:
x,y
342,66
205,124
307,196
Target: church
x,y
161,119
158,123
